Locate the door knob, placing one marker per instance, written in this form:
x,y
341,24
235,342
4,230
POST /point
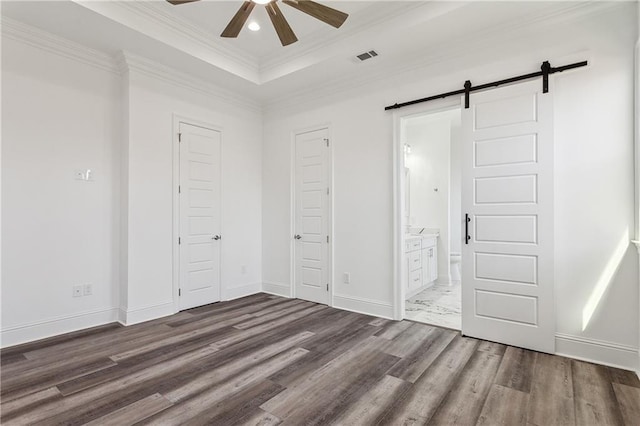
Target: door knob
x,y
217,237
297,237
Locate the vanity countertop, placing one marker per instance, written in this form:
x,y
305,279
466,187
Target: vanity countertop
x,y
423,235
426,233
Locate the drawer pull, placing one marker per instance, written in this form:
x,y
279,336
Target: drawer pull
x,y
416,279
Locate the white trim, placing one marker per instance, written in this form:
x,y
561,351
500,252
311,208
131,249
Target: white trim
x,y
637,151
292,198
24,33
637,134
241,291
277,289
186,28
319,46
177,119
362,305
146,21
443,280
597,351
146,313
312,96
149,68
36,330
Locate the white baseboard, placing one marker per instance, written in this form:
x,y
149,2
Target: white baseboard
x,y
278,289
443,280
363,306
146,313
242,291
597,351
409,294
24,333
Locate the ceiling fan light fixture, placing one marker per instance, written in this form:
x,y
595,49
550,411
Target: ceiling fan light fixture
x,y
326,14
253,26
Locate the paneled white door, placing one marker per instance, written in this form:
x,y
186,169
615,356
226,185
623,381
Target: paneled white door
x,y
311,216
200,236
507,193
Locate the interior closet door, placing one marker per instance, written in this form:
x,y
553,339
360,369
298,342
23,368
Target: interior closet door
x,y
312,216
507,195
200,237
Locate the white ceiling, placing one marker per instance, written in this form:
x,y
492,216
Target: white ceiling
x,y
186,37
213,17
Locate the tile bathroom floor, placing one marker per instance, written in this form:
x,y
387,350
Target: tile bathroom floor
x,y
437,305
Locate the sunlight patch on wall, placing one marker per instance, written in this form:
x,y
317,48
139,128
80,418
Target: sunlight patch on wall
x,y
605,280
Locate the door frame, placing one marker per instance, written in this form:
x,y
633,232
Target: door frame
x,y
399,193
292,203
175,200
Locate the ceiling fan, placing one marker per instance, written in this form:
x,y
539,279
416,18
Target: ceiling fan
x,y
326,14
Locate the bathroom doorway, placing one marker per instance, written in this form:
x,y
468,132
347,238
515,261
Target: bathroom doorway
x,y
432,217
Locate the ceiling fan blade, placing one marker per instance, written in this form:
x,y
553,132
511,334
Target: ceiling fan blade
x,y
177,2
285,33
238,20
324,13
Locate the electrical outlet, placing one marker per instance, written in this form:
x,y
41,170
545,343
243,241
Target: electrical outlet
x,y
243,269
346,278
87,290
77,291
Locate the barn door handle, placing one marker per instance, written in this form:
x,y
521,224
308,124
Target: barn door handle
x,y
297,237
467,219
217,237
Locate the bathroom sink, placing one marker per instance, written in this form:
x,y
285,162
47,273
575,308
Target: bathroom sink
x,y
424,234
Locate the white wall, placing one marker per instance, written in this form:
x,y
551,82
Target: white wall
x,y
361,198
593,183
151,139
58,115
429,162
65,107
455,189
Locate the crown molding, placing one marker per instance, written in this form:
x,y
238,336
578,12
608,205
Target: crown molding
x,y
120,64
455,48
152,10
21,32
130,62
148,19
372,17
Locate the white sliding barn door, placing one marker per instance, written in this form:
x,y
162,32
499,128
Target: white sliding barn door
x,y
312,216
507,192
200,237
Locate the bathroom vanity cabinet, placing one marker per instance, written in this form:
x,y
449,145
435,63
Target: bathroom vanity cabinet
x,y
421,262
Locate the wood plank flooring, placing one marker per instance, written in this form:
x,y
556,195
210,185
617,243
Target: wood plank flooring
x,y
266,360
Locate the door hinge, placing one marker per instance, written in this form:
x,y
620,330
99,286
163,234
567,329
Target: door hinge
x,y
179,240
327,238
327,286
327,142
327,190
179,292
179,137
179,189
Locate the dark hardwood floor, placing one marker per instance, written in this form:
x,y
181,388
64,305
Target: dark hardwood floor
x,y
265,360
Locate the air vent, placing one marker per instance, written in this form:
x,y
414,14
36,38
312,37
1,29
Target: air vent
x,y
367,55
